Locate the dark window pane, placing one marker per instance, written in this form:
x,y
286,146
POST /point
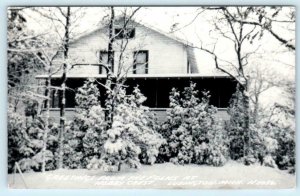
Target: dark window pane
x,y
124,33
55,99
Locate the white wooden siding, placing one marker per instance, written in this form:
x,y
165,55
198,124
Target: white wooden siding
x,y
166,55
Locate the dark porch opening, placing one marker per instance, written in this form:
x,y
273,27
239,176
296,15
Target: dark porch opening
x,y
157,89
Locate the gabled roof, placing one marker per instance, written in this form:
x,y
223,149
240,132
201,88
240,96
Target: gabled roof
x,y
169,35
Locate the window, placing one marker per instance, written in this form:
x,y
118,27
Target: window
x,y
124,33
140,64
55,99
104,59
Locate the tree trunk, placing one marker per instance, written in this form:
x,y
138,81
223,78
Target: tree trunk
x,y
108,99
63,91
47,106
111,39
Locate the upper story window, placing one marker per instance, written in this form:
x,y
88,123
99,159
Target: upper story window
x,y
140,63
188,67
124,33
104,59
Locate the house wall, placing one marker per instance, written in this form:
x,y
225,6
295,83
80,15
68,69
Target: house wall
x,y
166,55
160,114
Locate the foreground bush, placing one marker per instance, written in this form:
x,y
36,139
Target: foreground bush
x,y
25,143
193,135
132,139
82,137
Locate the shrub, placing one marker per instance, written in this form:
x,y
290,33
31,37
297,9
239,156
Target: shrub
x,y
193,135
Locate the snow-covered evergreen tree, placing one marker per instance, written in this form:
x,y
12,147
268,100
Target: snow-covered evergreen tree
x,y
16,133
145,121
218,145
182,140
33,144
193,135
132,139
25,142
257,144
174,120
258,148
280,147
83,133
235,126
282,124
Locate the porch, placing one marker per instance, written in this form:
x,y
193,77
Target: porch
x,y
155,87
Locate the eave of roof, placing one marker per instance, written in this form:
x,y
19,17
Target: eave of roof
x,y
137,76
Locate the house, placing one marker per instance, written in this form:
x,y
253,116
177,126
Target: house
x,y
150,58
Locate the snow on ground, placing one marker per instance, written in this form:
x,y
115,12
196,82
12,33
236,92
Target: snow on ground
x,y
167,176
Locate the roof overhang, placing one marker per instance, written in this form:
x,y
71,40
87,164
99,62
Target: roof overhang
x,y
137,76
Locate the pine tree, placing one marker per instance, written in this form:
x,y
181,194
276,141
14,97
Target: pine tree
x,y
131,140
174,120
266,142
146,122
235,126
25,142
196,137
216,153
279,142
16,134
83,133
182,139
210,137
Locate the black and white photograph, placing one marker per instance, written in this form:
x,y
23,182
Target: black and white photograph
x,y
151,97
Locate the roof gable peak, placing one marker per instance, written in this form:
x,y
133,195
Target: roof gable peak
x,y
129,22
